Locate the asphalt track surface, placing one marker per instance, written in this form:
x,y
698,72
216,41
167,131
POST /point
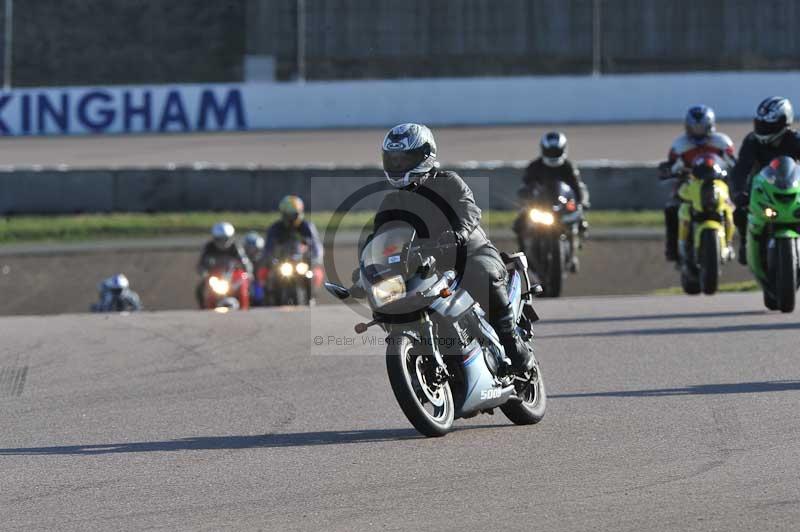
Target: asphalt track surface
x,y
661,416
637,142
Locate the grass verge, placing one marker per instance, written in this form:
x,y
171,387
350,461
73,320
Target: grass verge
x,y
742,286
140,225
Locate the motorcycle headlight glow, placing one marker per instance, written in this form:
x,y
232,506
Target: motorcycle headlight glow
x,y
219,286
286,269
541,217
301,268
389,290
769,212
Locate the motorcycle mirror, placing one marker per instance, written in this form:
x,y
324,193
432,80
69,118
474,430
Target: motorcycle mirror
x,y
338,291
535,290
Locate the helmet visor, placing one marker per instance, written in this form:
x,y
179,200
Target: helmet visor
x,y
698,129
763,128
552,152
401,161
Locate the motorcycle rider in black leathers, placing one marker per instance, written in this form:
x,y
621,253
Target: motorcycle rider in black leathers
x,y
221,249
550,169
445,204
772,137
700,138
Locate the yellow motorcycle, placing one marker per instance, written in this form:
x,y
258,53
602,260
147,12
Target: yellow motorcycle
x,y
706,226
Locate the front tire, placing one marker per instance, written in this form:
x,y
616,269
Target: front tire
x,y
532,408
554,260
786,274
709,261
429,407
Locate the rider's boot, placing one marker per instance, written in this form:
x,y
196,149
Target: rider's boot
x,y
516,349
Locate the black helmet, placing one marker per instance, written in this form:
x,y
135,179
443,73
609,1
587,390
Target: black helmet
x,y
554,148
409,154
773,117
700,122
709,167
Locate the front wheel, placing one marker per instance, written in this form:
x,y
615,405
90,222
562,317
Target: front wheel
x,y
709,261
786,274
427,404
555,260
534,401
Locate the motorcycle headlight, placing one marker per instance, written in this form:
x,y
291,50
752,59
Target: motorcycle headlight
x,y
219,286
286,269
541,217
389,290
769,212
301,268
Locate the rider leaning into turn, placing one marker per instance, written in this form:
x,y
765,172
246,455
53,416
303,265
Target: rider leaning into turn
x,y
700,138
444,202
551,168
772,137
219,250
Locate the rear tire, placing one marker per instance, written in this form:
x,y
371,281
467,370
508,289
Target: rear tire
x,y
530,411
786,274
410,393
709,261
769,301
690,285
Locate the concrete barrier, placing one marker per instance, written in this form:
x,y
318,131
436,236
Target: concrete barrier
x,y
613,185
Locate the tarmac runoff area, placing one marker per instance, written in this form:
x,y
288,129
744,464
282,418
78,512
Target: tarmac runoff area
x,y
61,278
634,142
662,415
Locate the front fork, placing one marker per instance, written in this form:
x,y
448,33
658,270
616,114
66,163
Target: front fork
x,y
428,336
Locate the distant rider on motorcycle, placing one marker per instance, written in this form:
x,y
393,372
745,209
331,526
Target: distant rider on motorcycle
x,y
294,227
253,245
772,137
705,168
115,295
548,170
445,204
700,138
221,249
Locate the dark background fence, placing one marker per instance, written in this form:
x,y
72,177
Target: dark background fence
x,y
85,42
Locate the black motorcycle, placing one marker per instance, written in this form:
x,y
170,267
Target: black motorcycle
x,y
548,229
443,358
290,278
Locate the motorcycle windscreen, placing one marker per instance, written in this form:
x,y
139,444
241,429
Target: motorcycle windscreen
x,y
385,255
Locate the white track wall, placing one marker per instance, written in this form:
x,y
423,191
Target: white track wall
x,y
381,103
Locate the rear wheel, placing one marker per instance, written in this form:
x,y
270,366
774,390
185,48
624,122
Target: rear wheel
x,y
534,401
428,405
690,283
769,301
786,274
709,261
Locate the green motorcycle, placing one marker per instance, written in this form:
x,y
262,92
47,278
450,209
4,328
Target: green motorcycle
x,y
773,230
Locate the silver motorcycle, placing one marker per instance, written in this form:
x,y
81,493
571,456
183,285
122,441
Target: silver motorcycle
x,y
443,358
